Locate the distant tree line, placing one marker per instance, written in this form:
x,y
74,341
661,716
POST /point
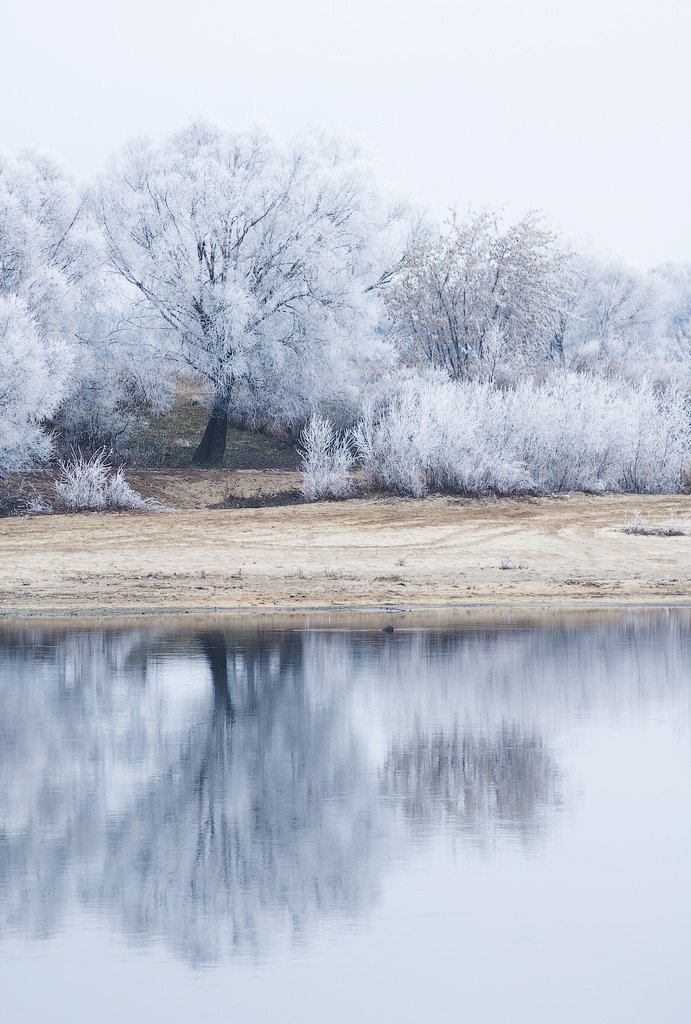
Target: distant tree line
x,y
284,282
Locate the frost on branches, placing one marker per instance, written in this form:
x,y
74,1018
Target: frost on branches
x,y
92,484
479,294
327,458
572,432
33,375
611,316
261,261
488,301
37,258
496,357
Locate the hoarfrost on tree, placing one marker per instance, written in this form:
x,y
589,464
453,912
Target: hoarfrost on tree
x,y
262,261
478,294
38,260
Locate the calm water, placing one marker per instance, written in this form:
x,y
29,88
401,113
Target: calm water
x,y
331,825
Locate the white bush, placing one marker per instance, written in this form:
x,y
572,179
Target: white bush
x,y
93,485
570,432
327,458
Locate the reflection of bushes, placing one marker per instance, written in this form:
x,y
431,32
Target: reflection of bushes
x,y
507,779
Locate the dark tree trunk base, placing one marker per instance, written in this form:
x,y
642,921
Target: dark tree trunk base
x,y
213,444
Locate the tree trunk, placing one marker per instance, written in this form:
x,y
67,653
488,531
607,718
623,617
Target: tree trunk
x,y
213,444
557,343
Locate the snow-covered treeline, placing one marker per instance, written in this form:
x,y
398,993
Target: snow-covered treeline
x,y
282,281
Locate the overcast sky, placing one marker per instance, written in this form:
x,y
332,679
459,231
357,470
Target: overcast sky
x,y
580,109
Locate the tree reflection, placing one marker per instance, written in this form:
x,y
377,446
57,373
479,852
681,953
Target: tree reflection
x,y
262,822
218,789
253,817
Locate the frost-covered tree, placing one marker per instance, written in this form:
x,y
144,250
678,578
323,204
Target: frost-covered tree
x,y
479,294
674,283
33,377
120,369
261,260
52,260
40,252
39,256
610,313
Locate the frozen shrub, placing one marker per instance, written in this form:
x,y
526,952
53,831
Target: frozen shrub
x,y
636,524
327,458
462,443
578,432
569,432
91,484
440,437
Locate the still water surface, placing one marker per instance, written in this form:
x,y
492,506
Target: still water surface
x,y
325,825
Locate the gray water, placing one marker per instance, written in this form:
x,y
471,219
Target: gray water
x,y
485,822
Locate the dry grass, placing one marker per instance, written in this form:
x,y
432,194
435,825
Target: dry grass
x,y
342,554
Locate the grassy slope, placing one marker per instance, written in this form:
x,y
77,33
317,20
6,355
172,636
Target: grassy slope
x,y
170,441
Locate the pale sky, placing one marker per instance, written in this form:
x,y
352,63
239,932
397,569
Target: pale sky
x,y
580,109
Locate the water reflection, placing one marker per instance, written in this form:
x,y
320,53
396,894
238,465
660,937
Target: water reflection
x,y
474,782
217,789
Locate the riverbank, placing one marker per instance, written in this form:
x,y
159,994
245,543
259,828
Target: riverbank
x,y
364,553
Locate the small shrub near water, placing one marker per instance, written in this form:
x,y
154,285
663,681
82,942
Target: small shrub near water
x,y
639,526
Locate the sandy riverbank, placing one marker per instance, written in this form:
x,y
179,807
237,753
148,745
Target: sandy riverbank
x,y
362,553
